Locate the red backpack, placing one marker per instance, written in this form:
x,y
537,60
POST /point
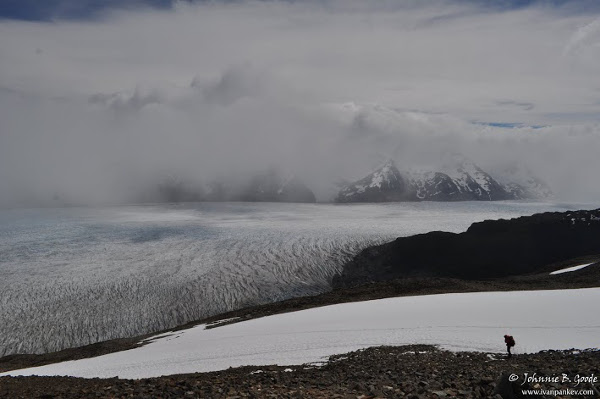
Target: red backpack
x,y
510,341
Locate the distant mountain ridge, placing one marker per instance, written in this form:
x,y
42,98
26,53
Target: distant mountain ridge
x,y
272,186
464,181
268,186
459,180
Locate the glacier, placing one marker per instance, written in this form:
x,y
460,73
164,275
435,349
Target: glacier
x,y
76,276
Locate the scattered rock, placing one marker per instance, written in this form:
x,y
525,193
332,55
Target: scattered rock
x,y
385,372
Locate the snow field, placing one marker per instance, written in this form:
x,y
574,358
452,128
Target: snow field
x,y
539,320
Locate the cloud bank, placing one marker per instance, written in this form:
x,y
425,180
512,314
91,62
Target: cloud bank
x,y
95,111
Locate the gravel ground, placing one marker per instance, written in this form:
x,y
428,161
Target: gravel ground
x,y
415,371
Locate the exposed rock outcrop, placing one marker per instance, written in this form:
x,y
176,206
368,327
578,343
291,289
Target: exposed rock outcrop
x,y
487,249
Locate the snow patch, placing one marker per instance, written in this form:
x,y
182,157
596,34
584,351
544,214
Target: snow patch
x,y
571,269
539,320
384,175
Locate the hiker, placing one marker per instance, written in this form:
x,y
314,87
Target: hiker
x,y
510,342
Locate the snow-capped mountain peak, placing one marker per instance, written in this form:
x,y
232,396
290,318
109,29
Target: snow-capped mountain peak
x,y
388,175
460,180
470,178
384,184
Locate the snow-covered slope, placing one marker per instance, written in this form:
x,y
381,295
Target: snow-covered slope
x,y
385,184
538,320
474,183
459,180
433,186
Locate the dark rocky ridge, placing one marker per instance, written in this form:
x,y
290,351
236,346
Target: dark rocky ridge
x,y
488,249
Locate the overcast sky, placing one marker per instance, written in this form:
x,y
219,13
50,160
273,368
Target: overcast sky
x,y
97,100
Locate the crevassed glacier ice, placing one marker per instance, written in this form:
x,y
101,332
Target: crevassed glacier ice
x,y
74,276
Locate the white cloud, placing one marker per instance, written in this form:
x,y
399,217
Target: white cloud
x,y
220,87
581,35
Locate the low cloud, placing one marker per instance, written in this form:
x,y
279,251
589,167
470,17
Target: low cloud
x,y
324,89
524,105
235,83
126,102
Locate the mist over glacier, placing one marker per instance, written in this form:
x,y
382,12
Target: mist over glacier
x,y
76,276
96,111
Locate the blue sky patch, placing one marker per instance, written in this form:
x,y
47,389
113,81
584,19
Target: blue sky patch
x,y
47,10
510,125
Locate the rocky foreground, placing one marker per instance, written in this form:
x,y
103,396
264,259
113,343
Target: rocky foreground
x,y
415,371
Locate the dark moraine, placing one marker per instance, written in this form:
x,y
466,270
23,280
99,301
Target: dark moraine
x,y
488,249
415,371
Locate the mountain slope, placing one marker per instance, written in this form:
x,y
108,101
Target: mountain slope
x,y
268,186
434,186
386,184
461,180
474,183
